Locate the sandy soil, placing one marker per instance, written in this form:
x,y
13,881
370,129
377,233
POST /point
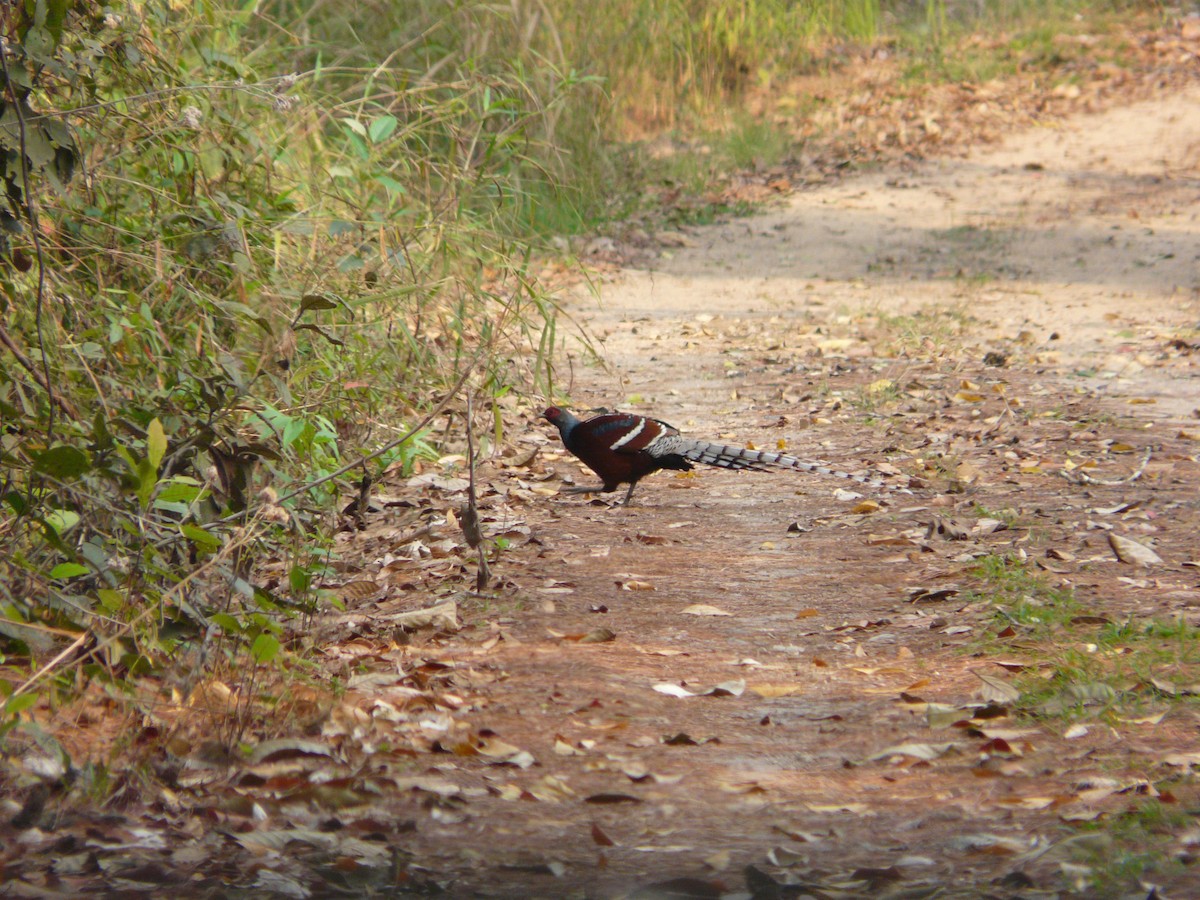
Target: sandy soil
x,y
1080,230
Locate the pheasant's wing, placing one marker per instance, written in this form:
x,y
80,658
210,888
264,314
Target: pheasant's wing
x,y
626,433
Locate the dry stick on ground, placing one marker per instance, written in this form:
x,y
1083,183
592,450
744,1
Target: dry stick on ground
x,y
1082,477
469,511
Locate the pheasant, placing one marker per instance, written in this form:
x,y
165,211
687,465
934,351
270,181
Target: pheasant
x,y
623,448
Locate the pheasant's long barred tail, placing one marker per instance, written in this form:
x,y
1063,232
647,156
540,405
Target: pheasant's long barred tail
x,y
733,457
622,449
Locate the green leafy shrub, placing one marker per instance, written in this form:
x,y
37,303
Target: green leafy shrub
x,y
258,276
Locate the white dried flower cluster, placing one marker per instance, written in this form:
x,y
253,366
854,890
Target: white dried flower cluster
x,y
271,511
283,84
190,117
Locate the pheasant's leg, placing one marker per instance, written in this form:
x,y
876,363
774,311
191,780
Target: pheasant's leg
x,y
629,493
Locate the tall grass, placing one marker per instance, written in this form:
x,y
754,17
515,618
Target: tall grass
x,y
600,78
546,117
676,62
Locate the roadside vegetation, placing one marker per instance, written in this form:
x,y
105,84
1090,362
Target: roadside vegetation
x,y
258,257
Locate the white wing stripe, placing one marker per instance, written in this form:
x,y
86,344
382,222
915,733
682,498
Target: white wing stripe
x,y
630,436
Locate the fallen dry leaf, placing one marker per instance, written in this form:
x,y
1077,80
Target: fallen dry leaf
x,y
996,690
916,751
634,585
1132,552
768,691
442,617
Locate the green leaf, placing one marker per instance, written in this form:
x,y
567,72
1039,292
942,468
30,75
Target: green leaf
x,y
62,462
175,509
226,623
101,438
292,430
48,144
52,13
299,579
200,537
16,705
180,489
61,520
316,301
111,600
264,599
317,328
382,128
156,444
265,648
147,476
69,570
38,43
124,453
391,185
355,127
359,146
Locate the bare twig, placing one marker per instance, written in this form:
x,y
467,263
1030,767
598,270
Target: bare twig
x,y
28,365
470,510
30,206
366,458
1082,477
52,665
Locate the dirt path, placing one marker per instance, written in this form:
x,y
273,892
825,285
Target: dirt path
x,y
1083,230
753,684
852,324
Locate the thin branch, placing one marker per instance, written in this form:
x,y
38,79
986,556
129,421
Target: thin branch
x,y
404,438
28,365
51,666
30,207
